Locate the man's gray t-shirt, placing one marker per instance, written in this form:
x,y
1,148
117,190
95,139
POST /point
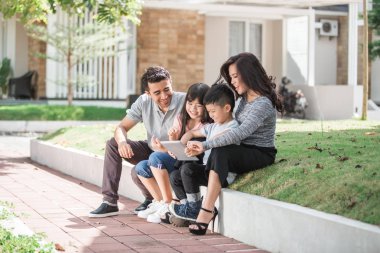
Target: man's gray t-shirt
x,y
156,123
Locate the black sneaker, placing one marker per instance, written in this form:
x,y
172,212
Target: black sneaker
x,y
104,210
143,206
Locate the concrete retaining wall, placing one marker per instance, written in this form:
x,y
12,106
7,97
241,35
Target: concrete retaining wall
x,y
268,224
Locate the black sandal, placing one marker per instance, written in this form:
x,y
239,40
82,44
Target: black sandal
x,y
202,227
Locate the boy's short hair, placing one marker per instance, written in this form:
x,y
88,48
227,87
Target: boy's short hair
x,y
220,94
153,75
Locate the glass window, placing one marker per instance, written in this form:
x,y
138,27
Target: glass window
x,y
245,40
237,37
255,35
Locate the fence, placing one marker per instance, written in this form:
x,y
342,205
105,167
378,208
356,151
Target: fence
x,y
106,76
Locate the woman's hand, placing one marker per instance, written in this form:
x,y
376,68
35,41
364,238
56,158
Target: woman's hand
x,y
125,150
194,148
186,137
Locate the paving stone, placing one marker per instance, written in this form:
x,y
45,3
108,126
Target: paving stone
x,y
139,241
58,205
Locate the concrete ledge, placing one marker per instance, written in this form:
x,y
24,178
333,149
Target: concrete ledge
x,y
268,224
44,126
82,165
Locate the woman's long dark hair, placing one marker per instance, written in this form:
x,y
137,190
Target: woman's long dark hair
x,y
195,91
252,73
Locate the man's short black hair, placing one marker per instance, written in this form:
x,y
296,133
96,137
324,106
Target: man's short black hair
x,y
220,94
153,75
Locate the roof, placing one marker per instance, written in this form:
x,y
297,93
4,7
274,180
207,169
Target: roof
x,y
266,3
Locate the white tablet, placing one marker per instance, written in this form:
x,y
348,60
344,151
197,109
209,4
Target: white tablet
x,y
178,149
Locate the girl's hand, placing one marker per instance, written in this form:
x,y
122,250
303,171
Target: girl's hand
x,y
173,134
156,145
194,148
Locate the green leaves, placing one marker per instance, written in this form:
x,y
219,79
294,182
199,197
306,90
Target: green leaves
x,y
109,11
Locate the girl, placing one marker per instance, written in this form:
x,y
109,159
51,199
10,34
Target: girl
x,y
155,176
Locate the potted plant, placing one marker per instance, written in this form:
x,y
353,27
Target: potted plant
x,y
5,72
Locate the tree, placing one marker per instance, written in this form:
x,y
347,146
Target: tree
x,y
109,11
75,44
374,24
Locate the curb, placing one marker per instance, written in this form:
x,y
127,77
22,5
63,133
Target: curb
x,y
44,126
268,224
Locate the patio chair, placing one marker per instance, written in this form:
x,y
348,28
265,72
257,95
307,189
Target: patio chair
x,y
24,87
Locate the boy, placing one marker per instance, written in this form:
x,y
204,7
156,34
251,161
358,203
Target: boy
x,y
219,102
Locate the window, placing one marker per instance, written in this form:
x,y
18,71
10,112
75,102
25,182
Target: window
x,y
245,36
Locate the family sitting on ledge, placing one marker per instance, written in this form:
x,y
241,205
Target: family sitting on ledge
x,y
227,142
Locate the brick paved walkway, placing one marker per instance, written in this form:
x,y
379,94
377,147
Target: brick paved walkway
x,y
58,205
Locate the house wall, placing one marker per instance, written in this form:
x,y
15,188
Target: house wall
x,y
342,51
296,49
38,64
375,77
21,51
272,49
325,57
174,39
15,47
216,46
3,43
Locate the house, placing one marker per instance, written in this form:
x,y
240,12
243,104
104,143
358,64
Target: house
x,y
317,44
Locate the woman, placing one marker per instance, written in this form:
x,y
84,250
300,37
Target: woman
x,y
256,115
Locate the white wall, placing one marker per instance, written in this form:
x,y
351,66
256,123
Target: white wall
x,y
325,59
296,49
216,47
375,78
14,45
2,38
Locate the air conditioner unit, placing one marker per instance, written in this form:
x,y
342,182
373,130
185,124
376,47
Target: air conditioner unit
x,y
328,27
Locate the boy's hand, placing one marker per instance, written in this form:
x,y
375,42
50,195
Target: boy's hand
x,y
194,148
172,155
125,150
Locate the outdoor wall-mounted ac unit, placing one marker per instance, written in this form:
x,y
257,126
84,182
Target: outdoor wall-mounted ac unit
x,y
328,27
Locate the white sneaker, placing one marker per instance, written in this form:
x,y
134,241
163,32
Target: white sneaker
x,y
156,217
152,208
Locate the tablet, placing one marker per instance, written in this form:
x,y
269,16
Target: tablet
x,y
178,149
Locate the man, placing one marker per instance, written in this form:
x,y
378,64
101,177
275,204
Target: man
x,y
157,109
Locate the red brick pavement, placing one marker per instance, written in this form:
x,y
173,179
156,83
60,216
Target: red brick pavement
x,y
57,205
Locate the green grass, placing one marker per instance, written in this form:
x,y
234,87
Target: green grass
x,y
331,167
60,112
10,243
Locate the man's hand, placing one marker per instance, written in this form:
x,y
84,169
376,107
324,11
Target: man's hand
x,y
125,150
194,148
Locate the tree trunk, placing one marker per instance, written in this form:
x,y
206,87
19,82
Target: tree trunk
x,y
365,62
